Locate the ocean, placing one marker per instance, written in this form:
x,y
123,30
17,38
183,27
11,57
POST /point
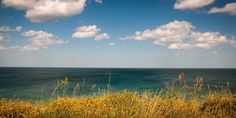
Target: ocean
x,y
38,83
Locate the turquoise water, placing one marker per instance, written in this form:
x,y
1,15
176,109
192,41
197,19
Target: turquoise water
x,y
33,83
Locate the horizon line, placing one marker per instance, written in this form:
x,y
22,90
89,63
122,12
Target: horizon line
x,y
119,67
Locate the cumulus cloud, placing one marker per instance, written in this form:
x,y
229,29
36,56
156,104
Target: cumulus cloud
x,y
191,4
8,29
229,8
18,4
46,10
207,39
102,36
98,1
172,32
90,31
86,32
39,40
180,35
180,46
204,40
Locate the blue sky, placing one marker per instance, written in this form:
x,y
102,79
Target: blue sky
x,y
121,33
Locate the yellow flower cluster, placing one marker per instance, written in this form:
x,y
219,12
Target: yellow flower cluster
x,y
123,105
17,109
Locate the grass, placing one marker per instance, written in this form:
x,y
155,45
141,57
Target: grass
x,y
178,100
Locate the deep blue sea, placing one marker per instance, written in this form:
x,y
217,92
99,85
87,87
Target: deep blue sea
x,y
35,83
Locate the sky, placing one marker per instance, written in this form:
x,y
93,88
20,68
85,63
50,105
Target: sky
x,y
118,33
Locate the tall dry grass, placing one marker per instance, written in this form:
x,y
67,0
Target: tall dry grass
x,y
123,105
170,102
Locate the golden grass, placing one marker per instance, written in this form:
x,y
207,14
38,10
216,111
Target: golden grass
x,y
185,101
124,105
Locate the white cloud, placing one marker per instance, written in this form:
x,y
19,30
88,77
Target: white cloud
x,y
180,46
204,40
137,36
180,35
86,32
172,32
111,43
207,39
46,10
98,1
90,31
39,40
102,36
191,4
18,4
229,8
8,29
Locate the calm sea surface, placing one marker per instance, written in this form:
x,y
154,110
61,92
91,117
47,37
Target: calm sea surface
x,y
33,83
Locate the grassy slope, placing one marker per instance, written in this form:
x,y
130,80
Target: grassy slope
x,y
181,101
124,104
